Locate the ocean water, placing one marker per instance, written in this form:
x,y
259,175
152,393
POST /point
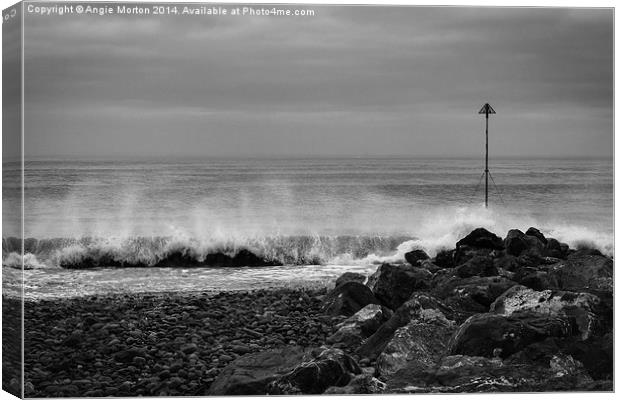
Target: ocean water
x,y
319,217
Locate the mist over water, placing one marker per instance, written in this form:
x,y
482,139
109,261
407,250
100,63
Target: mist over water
x,y
360,211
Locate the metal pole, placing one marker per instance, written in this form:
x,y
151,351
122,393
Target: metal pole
x,y
486,164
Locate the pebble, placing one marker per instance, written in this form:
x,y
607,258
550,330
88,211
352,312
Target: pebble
x,y
145,344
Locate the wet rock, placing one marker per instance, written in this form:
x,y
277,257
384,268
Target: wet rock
x,y
330,367
348,298
490,335
444,259
350,277
531,231
481,238
360,325
580,307
414,257
394,284
359,384
470,295
459,373
517,242
477,266
251,374
420,307
589,273
422,342
554,248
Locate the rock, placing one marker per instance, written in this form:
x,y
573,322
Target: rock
x,y
252,373
394,284
444,259
428,265
477,266
490,335
360,325
553,248
481,238
595,353
421,342
470,295
517,242
534,279
466,253
348,298
189,348
359,384
531,231
414,257
127,356
459,373
578,306
350,277
331,367
421,307
245,258
583,273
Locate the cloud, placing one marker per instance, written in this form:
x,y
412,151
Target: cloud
x,y
397,77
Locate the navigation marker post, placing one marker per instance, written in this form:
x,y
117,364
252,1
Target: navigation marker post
x,y
486,110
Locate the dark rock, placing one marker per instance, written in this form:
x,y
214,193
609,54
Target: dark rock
x,y
491,335
470,295
350,277
127,356
595,353
359,326
553,248
251,374
331,367
537,234
578,307
466,253
418,307
589,273
459,373
421,342
517,242
477,266
359,384
428,265
481,238
444,259
415,256
394,284
348,298
245,258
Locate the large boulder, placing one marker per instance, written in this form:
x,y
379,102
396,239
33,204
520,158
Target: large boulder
x,y
444,259
415,256
460,373
251,374
394,284
327,367
477,266
490,335
481,238
579,307
470,295
582,272
553,248
517,242
350,277
352,331
422,342
348,298
420,307
531,231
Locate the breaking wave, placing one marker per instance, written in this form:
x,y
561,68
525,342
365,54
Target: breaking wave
x,y
435,232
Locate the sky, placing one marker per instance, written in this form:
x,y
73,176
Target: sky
x,y
350,81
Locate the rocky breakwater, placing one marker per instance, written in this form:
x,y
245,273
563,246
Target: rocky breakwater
x,y
523,313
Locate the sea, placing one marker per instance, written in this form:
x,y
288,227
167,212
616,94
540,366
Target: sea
x,y
319,217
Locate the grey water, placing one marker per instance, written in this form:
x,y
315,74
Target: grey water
x,y
318,216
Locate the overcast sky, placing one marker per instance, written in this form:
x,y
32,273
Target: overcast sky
x,y
353,81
